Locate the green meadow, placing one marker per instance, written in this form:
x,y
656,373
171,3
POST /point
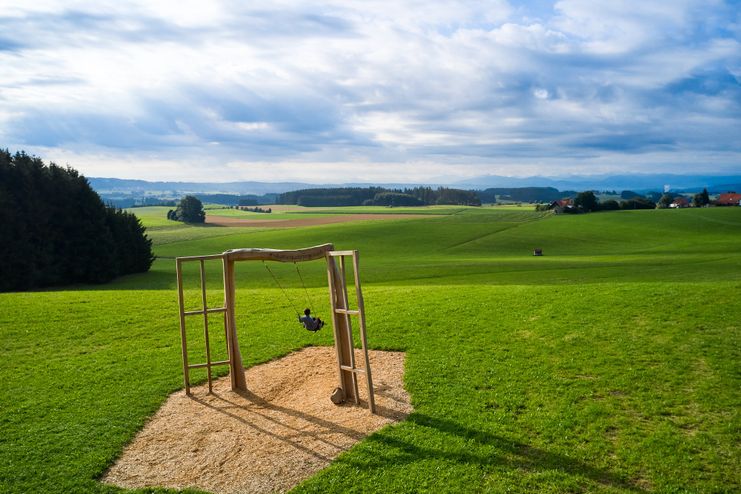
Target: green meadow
x,y
610,364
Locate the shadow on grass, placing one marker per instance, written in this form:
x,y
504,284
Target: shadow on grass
x,y
150,280
512,454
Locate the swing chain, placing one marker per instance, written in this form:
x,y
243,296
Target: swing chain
x,y
285,294
308,297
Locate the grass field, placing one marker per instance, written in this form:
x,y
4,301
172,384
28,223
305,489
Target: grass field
x,y
610,364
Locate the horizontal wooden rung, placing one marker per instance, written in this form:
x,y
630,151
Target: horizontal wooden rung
x,y
200,366
201,312
199,258
350,369
347,311
340,253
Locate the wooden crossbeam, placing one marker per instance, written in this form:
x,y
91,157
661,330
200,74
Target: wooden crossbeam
x,y
347,311
210,310
207,364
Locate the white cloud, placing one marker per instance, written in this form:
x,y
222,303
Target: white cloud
x,y
446,87
540,93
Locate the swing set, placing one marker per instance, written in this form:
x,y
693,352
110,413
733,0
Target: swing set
x,y
347,371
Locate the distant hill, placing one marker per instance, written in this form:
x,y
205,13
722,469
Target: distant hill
x,y
637,182
178,189
124,193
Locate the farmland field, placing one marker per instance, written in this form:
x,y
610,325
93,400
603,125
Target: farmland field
x,y
610,364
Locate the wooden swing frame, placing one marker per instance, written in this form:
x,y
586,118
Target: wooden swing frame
x,y
336,275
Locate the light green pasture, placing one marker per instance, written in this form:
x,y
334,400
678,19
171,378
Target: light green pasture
x,y
610,364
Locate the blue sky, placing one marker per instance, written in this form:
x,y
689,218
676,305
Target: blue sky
x,y
376,91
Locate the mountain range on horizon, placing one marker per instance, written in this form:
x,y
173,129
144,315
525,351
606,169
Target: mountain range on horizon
x,y
637,182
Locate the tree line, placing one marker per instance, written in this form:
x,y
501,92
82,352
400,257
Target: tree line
x,y
55,229
256,209
524,194
379,196
587,201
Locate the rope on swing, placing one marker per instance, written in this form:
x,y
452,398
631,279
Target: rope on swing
x,y
285,294
308,297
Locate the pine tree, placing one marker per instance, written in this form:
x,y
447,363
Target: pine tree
x,y
56,230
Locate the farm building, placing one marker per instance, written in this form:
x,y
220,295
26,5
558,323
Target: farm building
x,y
680,202
729,199
561,205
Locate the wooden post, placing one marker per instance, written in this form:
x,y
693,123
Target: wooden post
x,y
363,336
339,325
181,304
205,324
348,326
236,370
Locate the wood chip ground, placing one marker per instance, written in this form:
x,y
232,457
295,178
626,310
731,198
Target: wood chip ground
x,y
269,439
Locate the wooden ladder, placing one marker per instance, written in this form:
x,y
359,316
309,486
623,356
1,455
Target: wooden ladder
x,y
341,312
204,311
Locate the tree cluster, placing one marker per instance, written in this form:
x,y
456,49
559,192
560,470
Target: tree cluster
x,y
523,194
665,201
631,200
629,194
701,199
189,210
638,202
456,197
56,230
356,196
151,201
256,209
586,202
237,200
393,199
339,196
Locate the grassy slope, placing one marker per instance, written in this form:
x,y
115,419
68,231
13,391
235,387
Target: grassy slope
x,y
610,364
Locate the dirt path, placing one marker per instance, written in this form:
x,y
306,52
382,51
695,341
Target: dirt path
x,y
281,432
299,222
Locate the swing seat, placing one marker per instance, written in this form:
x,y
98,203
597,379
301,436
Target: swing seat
x,y
319,326
314,326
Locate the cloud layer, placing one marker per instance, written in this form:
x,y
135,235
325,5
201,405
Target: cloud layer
x,y
372,90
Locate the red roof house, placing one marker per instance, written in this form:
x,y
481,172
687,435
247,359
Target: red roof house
x,y
562,204
729,199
